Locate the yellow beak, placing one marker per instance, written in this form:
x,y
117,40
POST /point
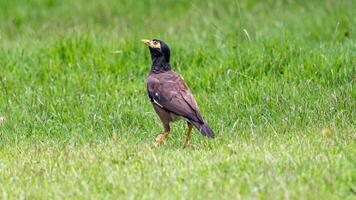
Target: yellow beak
x,y
147,42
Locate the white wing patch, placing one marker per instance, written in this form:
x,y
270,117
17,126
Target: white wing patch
x,y
154,100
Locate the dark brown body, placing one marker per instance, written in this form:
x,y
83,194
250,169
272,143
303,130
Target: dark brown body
x,y
172,99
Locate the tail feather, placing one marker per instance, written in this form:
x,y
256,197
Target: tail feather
x,y
204,129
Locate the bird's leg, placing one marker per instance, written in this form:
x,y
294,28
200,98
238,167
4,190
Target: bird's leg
x,y
190,126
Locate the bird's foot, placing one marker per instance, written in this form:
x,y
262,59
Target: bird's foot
x,y
159,139
190,146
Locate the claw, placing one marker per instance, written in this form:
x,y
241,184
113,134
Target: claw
x,y
160,138
191,146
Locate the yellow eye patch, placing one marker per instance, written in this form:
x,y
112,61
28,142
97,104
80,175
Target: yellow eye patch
x,y
155,44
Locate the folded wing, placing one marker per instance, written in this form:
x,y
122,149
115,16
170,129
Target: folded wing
x,y
169,91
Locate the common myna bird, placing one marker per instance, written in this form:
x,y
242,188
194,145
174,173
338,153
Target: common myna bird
x,y
170,96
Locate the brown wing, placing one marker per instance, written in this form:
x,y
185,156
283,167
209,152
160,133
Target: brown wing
x,y
169,91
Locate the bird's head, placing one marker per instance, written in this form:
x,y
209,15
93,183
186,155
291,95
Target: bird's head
x,y
159,50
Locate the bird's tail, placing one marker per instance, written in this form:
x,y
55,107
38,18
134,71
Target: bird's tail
x,y
204,129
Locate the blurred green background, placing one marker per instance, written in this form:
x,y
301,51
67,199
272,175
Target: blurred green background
x,y
269,76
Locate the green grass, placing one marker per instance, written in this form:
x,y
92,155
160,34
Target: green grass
x,y
268,76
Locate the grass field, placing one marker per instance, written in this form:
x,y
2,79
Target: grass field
x,y
269,77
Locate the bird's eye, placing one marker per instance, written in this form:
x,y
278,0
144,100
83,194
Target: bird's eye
x,y
155,42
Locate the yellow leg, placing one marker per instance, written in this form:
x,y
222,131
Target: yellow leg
x,y
160,138
190,126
